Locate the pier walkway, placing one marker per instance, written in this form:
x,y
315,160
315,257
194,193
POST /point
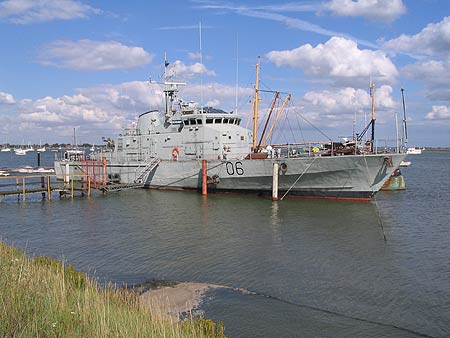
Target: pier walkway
x,y
44,184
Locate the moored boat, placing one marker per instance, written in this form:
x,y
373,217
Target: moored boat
x,y
165,150
414,151
20,152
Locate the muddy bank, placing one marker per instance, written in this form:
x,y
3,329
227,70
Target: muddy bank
x,y
179,298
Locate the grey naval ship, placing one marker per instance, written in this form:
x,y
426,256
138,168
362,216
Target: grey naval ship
x,y
166,148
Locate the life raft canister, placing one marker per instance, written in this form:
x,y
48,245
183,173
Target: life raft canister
x,y
175,153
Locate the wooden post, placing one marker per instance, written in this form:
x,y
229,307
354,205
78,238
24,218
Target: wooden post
x,y
275,182
49,189
67,177
17,189
71,187
89,186
23,189
204,178
104,171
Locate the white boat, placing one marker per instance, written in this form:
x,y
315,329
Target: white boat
x,y
20,152
6,149
405,163
42,170
25,170
37,170
41,148
3,173
414,151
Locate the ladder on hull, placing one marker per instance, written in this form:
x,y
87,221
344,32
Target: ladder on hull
x,y
139,182
148,169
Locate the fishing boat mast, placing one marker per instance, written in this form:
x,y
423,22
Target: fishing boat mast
x,y
405,131
372,95
255,107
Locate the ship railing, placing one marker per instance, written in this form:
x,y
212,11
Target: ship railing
x,y
300,149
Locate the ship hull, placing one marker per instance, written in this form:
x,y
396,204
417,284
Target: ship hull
x,y
354,177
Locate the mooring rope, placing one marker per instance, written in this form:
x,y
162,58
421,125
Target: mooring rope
x,y
327,311
293,184
189,176
380,220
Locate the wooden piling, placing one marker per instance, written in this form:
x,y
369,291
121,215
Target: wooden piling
x,y
104,171
204,178
23,189
275,182
49,189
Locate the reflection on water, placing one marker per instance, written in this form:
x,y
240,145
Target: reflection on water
x,y
315,268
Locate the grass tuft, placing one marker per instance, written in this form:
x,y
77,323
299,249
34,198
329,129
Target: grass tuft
x,y
40,297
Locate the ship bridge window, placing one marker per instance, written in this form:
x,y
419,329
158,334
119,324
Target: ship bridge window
x,y
225,120
209,121
217,120
186,122
193,122
199,121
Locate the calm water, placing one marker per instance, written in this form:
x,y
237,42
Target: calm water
x,y
313,268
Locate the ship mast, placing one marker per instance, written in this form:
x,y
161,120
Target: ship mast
x,y
405,131
255,108
372,95
166,91
170,87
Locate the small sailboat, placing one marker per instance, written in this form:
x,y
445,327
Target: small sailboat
x,y
405,163
4,173
30,148
20,152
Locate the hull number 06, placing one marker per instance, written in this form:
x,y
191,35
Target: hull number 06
x,y
234,168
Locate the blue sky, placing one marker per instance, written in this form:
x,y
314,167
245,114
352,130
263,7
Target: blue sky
x,y
87,64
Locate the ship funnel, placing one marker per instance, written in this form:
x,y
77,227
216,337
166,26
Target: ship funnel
x,y
148,121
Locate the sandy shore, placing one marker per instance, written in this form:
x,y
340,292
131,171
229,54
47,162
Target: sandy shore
x,y
178,298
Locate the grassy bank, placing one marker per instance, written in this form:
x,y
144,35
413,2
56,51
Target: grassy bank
x,y
39,297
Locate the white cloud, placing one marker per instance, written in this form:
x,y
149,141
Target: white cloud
x,y
435,72
433,40
179,69
6,98
439,113
336,108
93,55
435,75
340,60
104,110
194,56
349,100
216,95
377,10
269,13
33,11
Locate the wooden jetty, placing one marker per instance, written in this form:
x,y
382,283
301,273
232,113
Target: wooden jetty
x,y
23,185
